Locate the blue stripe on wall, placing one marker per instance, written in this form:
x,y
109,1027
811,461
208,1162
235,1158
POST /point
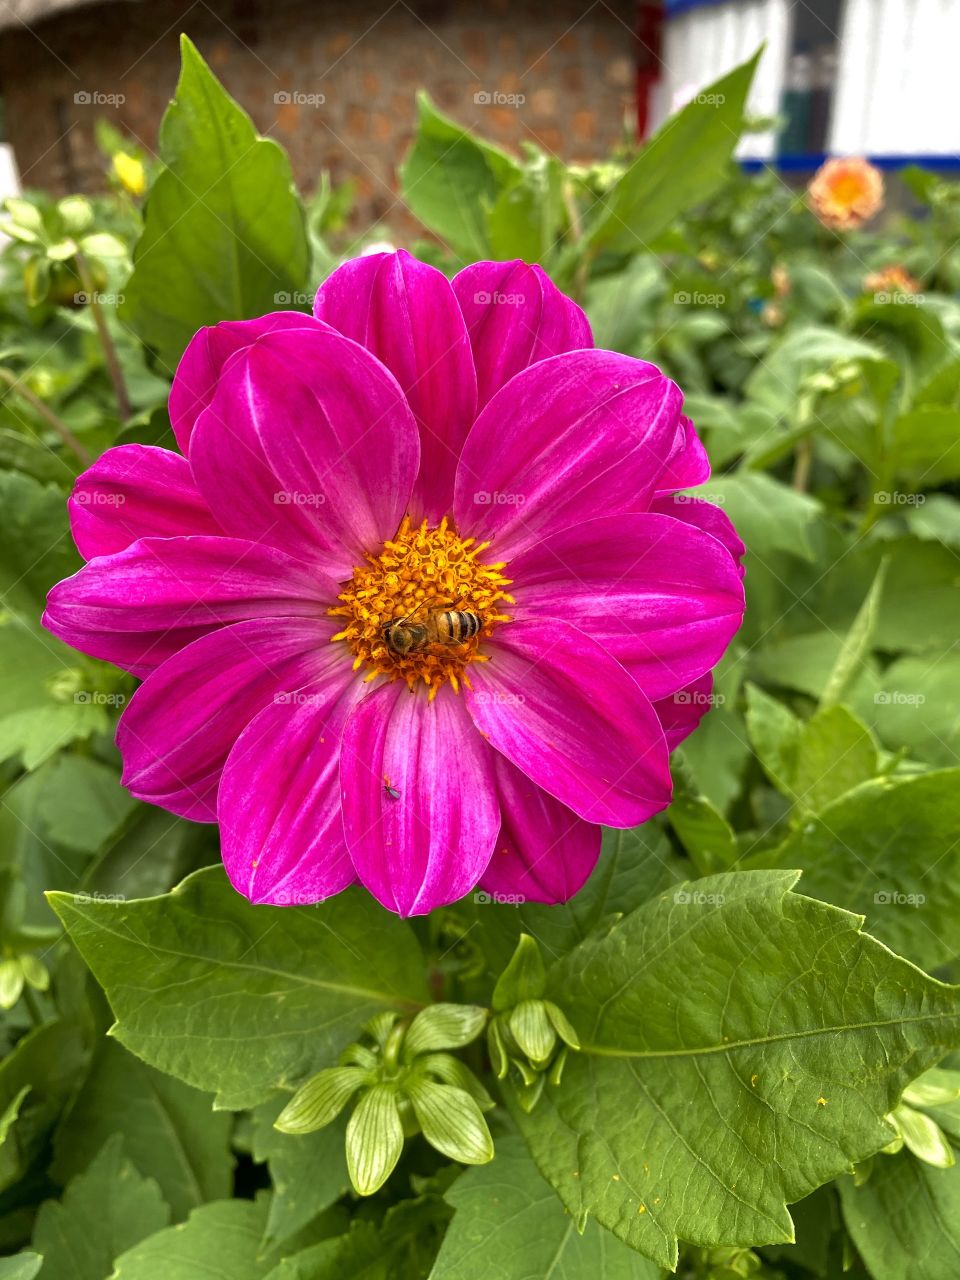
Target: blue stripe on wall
x,y
807,163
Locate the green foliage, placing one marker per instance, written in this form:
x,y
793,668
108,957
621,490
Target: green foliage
x,y
224,235
682,1064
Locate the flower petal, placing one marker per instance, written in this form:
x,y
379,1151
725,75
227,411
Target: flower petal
x,y
664,598
406,314
310,445
702,514
573,720
688,464
135,491
419,802
198,372
516,316
138,607
571,437
682,712
182,722
281,830
544,852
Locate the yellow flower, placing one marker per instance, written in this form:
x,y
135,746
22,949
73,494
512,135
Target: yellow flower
x,y
845,193
130,173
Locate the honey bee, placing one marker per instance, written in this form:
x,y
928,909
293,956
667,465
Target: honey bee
x,y
440,626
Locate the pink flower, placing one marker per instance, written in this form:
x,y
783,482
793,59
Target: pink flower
x,y
421,447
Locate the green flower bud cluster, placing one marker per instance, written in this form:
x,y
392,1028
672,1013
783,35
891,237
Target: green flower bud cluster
x,y
528,1033
926,1122
402,1080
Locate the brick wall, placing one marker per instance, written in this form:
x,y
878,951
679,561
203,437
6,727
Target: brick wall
x,y
557,73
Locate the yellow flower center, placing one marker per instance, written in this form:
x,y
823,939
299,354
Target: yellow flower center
x,y
411,610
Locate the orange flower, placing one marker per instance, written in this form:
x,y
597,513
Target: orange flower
x,y
844,193
894,279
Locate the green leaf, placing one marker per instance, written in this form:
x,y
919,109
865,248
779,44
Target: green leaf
x,y
926,445
889,850
37,549
224,233
219,1241
169,1131
308,1171
905,1219
443,1026
509,1225
775,735
526,218
103,1212
318,1102
923,1137
374,1139
23,1267
451,180
835,753
704,832
768,515
533,1030
740,1047
681,166
934,1088
450,1119
237,998
856,645
524,978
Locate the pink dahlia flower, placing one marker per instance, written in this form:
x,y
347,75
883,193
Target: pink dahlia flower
x,y
454,459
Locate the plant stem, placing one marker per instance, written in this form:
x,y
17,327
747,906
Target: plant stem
x,y
30,1000
47,414
111,359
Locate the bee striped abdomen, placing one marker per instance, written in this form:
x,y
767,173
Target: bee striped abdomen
x,y
457,626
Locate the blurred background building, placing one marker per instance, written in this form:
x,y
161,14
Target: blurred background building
x,y
334,80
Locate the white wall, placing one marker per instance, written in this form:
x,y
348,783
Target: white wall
x,y
702,44
897,77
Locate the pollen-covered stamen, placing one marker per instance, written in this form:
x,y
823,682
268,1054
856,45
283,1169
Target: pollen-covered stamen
x,y
420,572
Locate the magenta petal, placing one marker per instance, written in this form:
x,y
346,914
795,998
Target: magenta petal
x,y
309,444
419,801
664,598
544,852
207,352
572,436
688,465
135,491
516,316
406,314
182,722
138,607
682,712
705,515
279,805
573,720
